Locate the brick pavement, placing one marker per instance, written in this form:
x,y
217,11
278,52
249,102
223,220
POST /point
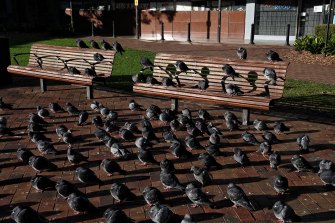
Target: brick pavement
x,y
309,198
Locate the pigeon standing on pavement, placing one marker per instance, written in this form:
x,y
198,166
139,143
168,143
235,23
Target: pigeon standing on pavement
x,y
326,165
121,192
116,216
230,71
179,150
238,197
117,47
153,196
167,166
275,160
260,125
42,183
170,181
111,167
280,127
118,150
303,142
42,112
280,184
249,138
80,203
265,148
146,157
209,161
201,175
65,188
146,64
240,157
301,164
327,177
188,219
71,109
242,53
160,213
46,147
55,107
197,196
273,56
24,154
284,212
87,176
83,116
134,106
40,163
25,214
74,156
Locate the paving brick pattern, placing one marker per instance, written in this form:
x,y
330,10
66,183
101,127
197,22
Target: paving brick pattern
x,y
307,195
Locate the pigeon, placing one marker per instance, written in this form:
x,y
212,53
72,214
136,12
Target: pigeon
x,y
151,113
73,70
303,142
46,147
153,196
116,216
181,66
229,115
36,119
87,176
117,47
203,127
275,160
232,124
142,143
149,134
203,84
273,56
104,111
25,214
167,81
179,150
110,126
201,175
146,64
232,89
169,180
188,219
94,44
160,213
280,127
152,80
72,110
98,57
75,157
260,125
112,116
236,195
42,112
300,163
265,148
126,135
95,105
280,184
270,76
81,44
61,130
121,192
36,136
327,177
326,165
145,157
42,183
145,123
229,71
97,121
35,127
197,196
55,107
101,134
118,150
284,212
133,106
169,136
204,115
241,157
214,139
166,116
175,125
40,163
4,105
79,203
213,149
105,45
83,116
242,53
209,161
111,166
193,131
65,188
167,166
24,154
138,78
212,129
249,138
192,143
68,138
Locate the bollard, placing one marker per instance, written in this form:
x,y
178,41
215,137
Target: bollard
x,y
5,77
113,29
252,34
162,31
288,34
189,32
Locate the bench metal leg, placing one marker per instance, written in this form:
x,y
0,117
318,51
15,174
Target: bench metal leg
x,y
174,104
89,92
43,85
245,116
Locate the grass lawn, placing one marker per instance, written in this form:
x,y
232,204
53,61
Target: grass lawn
x,y
299,93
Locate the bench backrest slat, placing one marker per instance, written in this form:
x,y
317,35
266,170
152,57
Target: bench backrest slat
x,y
102,70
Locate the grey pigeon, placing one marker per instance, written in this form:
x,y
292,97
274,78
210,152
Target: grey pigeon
x,y
117,47
65,188
42,183
203,127
232,124
327,177
71,109
280,184
175,125
213,149
121,192
94,44
230,115
134,106
275,160
249,138
192,143
182,67
68,138
35,127
197,196
273,56
284,212
97,121
201,175
98,57
36,119
80,204
42,112
46,147
149,134
212,129
131,127
242,53
280,127
118,150
204,114
74,156
55,107
236,195
142,143
25,214
111,167
203,84
265,148
214,139
73,70
169,180
232,89
105,45
87,176
300,163
303,142
241,157
153,196
61,130
192,130
110,126
209,161
24,154
270,76
112,116
179,150
260,125
167,81
116,216
81,44
104,111
152,80
146,64
183,120
167,166
166,116
102,135
83,116
36,136
40,163
160,214
326,165
188,219
230,71
126,135
186,112
95,105
145,157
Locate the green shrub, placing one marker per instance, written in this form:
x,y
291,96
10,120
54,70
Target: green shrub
x,y
330,49
320,30
312,44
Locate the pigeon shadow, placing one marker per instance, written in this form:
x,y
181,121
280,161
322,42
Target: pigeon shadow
x,y
207,216
5,210
243,180
143,171
319,217
126,179
14,181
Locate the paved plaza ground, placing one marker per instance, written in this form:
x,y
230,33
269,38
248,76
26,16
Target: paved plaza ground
x,y
310,199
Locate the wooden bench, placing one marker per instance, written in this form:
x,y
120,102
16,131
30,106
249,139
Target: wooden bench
x,y
48,62
257,94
